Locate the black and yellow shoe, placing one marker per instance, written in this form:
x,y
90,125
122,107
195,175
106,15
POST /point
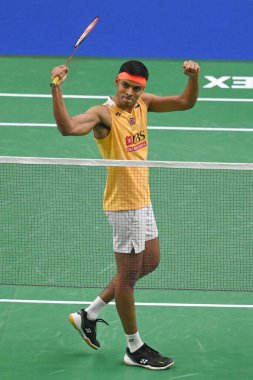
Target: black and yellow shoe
x,y
86,327
148,358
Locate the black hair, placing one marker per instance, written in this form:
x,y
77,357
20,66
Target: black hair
x,y
135,68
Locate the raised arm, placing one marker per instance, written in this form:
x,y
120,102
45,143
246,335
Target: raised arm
x,y
80,124
181,102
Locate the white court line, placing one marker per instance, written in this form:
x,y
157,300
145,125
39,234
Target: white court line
x,y
200,129
159,304
246,100
168,128
4,94
8,95
2,124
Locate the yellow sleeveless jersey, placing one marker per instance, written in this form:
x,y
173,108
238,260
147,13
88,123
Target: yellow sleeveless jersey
x,y
126,188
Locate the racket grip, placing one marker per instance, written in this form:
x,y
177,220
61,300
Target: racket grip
x,y
54,81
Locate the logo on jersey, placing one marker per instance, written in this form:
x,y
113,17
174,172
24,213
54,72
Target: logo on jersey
x,y
129,140
136,141
131,120
137,147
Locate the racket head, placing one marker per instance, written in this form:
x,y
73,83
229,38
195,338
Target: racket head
x,y
86,31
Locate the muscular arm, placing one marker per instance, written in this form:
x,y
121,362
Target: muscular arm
x,y
73,126
181,102
80,124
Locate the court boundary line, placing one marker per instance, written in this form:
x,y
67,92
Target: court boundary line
x,y
169,128
5,94
154,304
151,127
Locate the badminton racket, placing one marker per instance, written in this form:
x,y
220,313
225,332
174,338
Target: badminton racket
x,y
85,33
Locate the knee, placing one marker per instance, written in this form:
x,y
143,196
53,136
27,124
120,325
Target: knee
x,y
149,267
128,278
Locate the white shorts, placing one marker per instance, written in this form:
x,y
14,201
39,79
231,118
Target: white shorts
x,y
132,228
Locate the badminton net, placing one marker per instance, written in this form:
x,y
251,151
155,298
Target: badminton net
x,y
54,231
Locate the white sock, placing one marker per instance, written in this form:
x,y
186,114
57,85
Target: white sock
x,y
134,342
95,308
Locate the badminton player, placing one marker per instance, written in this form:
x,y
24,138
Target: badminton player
x,y
120,131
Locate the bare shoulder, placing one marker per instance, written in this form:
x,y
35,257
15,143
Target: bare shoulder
x,y
98,110
102,113
147,98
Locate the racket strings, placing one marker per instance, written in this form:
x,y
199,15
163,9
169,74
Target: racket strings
x,y
86,32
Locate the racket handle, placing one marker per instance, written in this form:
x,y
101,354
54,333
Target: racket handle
x,y
54,81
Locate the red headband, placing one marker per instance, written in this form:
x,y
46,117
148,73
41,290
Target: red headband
x,y
134,78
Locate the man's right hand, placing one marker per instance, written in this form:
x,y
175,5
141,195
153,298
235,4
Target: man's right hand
x,y
60,72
